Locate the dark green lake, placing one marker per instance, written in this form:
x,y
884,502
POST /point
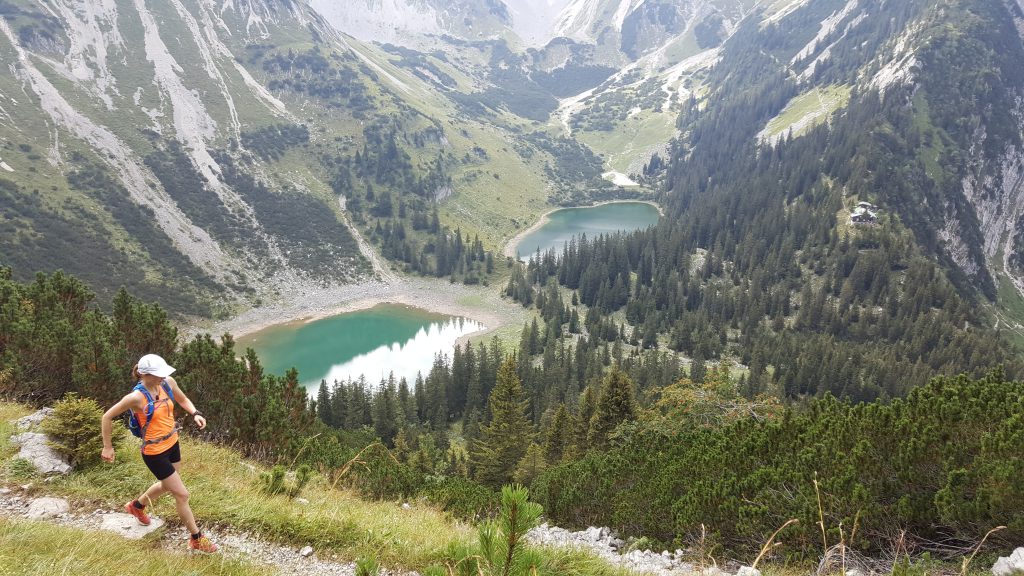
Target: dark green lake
x,y
374,342
563,224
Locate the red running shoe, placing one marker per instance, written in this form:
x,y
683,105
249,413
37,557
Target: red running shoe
x,y
139,513
202,545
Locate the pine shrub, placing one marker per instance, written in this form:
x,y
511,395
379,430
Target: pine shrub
x,y
461,497
74,430
280,481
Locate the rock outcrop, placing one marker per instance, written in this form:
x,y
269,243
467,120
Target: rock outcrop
x,y
1012,565
34,447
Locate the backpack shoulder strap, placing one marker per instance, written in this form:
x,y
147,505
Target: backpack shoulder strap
x,y
167,388
140,387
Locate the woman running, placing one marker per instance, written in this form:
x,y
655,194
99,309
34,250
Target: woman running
x,y
160,450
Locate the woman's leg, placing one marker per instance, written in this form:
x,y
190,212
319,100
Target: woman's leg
x,y
176,487
150,495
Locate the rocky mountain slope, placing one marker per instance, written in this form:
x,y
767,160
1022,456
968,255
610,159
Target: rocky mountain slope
x,y
201,150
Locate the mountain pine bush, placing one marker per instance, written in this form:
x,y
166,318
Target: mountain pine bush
x,y
939,464
74,430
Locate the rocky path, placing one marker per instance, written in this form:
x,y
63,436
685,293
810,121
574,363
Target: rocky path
x,y
20,503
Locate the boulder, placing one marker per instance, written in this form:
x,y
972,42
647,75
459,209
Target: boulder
x,y
32,420
35,449
1010,565
126,525
42,508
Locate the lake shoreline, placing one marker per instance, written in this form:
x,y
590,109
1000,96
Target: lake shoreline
x,y
308,304
511,245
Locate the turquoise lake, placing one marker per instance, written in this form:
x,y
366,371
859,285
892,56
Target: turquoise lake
x,y
563,224
373,343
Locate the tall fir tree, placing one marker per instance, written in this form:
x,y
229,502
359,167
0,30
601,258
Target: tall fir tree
x,y
507,434
615,404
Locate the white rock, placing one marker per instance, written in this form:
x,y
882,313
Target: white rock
x,y
302,501
41,508
32,420
748,571
126,525
406,506
1009,565
5,491
855,572
306,552
39,454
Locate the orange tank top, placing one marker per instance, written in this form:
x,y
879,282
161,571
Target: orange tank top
x,y
161,424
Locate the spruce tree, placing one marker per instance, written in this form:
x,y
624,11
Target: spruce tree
x,y
615,404
323,404
505,437
559,436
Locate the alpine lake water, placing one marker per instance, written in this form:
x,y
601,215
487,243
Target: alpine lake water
x,y
564,224
374,343
405,340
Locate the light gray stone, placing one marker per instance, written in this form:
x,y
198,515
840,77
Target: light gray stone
x,y
748,571
126,525
855,572
39,454
32,420
306,552
42,508
302,501
1010,565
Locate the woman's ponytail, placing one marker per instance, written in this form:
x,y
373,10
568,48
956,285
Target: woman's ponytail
x,y
135,373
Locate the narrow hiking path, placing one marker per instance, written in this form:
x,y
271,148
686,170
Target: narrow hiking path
x,y
16,503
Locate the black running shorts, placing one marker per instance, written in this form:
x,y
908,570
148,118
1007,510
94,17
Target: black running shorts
x,y
162,464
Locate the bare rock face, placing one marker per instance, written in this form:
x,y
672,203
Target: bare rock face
x,y
32,421
35,449
127,526
42,508
1010,565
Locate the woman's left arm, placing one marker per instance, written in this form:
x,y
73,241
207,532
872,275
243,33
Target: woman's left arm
x,y
186,404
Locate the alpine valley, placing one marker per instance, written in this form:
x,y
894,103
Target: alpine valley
x,y
841,187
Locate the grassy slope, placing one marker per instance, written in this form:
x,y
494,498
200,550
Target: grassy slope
x,y
225,492
808,110
632,138
495,208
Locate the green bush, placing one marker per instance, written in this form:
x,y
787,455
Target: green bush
x,y
943,462
74,430
377,475
461,497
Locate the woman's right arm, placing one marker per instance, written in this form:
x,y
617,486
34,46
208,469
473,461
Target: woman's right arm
x,y
107,423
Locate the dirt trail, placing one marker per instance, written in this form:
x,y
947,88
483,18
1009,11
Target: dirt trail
x,y
285,560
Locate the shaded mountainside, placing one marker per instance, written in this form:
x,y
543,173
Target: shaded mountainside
x,y
200,151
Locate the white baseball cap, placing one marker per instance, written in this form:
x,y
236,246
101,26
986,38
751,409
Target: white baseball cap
x,y
155,365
